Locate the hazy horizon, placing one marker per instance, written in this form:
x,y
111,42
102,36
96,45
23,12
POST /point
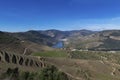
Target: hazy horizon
x,y
56,29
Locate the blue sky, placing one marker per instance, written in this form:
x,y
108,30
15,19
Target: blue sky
x,y
23,15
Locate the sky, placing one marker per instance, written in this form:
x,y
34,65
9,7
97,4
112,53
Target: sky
x,y
24,15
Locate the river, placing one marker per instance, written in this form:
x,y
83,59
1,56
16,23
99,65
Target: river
x,y
59,44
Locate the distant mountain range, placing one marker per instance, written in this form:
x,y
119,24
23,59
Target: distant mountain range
x,y
35,41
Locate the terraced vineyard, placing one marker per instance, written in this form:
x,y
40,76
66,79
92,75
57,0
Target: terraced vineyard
x,y
21,67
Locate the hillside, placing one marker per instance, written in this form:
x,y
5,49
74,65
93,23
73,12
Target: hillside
x,y
89,65
83,65
35,37
36,41
57,34
12,44
76,65
103,40
50,37
22,67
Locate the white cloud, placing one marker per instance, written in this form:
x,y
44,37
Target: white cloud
x,y
116,18
103,24
97,27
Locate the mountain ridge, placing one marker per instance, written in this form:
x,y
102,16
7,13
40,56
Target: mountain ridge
x,y
41,40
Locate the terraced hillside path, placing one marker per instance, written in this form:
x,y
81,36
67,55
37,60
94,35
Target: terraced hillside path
x,y
113,68
25,50
113,64
76,78
113,72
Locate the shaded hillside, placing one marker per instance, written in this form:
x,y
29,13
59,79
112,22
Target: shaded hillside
x,y
57,34
13,44
10,43
36,37
48,37
103,40
110,40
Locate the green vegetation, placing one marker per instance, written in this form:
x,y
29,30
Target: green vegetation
x,y
55,53
96,55
35,37
48,73
116,33
110,44
6,38
85,55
